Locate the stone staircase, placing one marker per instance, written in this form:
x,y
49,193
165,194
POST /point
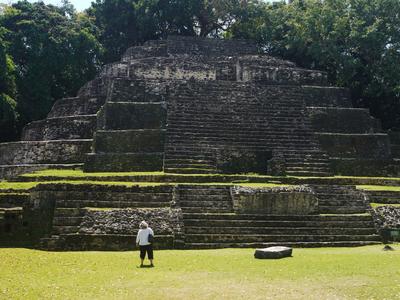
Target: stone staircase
x,y
340,199
384,197
83,220
210,221
215,230
204,118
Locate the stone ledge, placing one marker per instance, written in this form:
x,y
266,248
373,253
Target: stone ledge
x,y
126,141
124,162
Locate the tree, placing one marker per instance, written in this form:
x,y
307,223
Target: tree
x,y
55,51
8,114
126,23
356,41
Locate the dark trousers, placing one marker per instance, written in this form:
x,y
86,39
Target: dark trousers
x,y
148,249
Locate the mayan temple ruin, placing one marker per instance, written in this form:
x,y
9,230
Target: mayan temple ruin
x,y
219,146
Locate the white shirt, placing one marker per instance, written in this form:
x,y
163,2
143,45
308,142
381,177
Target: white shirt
x,y
142,237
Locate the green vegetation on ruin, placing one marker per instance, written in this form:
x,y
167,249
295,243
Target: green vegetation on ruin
x,y
324,273
379,188
375,205
25,186
80,174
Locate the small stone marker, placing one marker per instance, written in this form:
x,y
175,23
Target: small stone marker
x,y
273,252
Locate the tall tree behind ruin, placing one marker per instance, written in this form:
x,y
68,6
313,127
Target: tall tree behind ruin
x,y
55,52
127,23
8,92
356,41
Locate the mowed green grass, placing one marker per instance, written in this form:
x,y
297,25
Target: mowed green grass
x,y
326,273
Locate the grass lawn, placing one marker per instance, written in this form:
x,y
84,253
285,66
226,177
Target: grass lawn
x,y
326,273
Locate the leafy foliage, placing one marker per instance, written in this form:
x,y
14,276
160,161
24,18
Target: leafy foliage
x,y
125,23
356,41
8,114
55,52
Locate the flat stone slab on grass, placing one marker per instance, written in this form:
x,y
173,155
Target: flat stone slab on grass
x,y
273,252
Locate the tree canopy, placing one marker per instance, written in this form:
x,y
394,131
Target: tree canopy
x,y
55,51
356,41
8,91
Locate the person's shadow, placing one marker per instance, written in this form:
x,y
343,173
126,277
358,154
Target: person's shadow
x,y
145,266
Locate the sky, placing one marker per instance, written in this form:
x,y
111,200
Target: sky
x,y
79,4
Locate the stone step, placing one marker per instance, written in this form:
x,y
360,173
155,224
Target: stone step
x,y
76,106
308,164
288,244
115,196
309,167
8,200
109,204
205,210
189,166
12,171
239,133
387,197
309,174
188,161
212,140
262,238
60,128
322,209
189,170
341,202
199,222
100,242
280,230
263,217
184,204
67,221
68,212
201,195
58,230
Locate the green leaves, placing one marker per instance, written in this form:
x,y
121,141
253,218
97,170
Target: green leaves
x,y
356,41
55,52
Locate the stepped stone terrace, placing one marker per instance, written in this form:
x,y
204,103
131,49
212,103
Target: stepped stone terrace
x,y
171,132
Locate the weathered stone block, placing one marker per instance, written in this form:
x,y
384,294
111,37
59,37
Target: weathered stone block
x,y
236,162
121,116
275,201
124,162
76,106
342,120
318,96
364,146
44,152
73,127
170,69
281,75
365,167
130,90
273,252
129,141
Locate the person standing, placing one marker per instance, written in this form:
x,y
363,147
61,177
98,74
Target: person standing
x,y
144,239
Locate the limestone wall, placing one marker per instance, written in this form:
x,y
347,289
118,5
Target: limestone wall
x,y
275,201
365,146
44,152
342,120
